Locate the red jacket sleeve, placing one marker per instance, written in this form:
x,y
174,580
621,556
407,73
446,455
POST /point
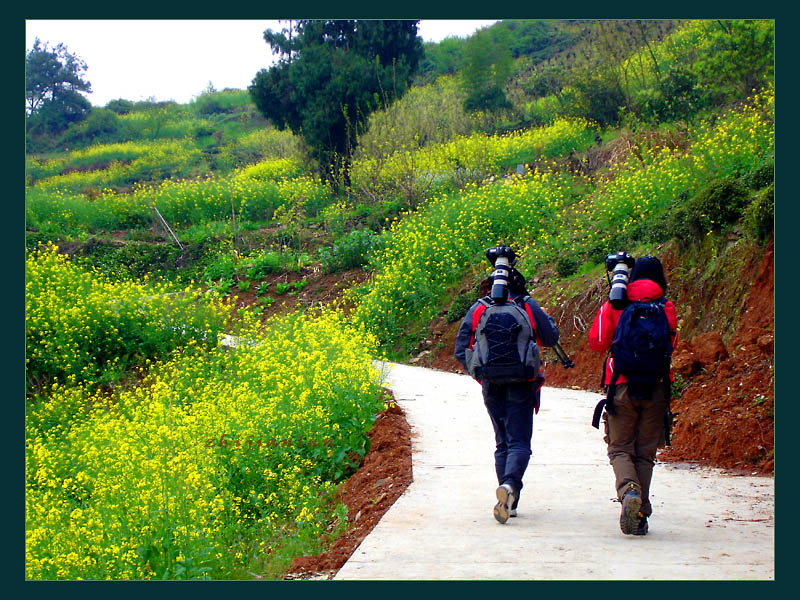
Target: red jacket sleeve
x,y
672,319
601,333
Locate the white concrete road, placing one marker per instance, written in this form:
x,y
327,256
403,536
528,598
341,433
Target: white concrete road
x,y
706,525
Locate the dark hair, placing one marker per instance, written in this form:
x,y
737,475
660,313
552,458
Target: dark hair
x,y
649,267
516,284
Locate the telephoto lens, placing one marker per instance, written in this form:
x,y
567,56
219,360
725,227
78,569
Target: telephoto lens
x,y
500,286
620,265
502,258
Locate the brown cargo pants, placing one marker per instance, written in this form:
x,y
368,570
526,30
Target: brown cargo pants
x,y
633,436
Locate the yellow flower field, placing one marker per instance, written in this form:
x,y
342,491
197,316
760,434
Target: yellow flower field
x,y
209,466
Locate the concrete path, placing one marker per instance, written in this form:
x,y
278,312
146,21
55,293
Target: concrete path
x,y
706,525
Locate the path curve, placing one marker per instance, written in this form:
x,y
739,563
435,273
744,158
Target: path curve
x,y
706,524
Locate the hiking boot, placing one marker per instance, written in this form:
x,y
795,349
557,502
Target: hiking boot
x,y
505,496
631,503
641,527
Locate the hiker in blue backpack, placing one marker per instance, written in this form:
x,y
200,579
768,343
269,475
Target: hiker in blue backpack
x,y
498,344
640,332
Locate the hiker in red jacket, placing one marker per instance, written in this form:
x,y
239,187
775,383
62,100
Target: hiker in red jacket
x,y
635,426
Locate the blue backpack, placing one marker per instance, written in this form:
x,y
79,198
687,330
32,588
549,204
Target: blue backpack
x,y
642,345
642,352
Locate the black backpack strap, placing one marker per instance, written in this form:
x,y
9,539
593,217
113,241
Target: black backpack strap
x,y
598,410
607,402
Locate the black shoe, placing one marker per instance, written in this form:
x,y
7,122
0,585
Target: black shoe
x,y
641,528
631,503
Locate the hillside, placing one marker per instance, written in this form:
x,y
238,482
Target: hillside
x,y
204,302
724,360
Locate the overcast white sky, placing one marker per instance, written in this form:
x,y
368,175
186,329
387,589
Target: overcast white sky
x,y
175,60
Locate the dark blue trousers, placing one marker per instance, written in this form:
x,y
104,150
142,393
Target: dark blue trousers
x,y
511,409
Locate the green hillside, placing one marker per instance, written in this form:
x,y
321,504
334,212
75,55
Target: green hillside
x,y
154,230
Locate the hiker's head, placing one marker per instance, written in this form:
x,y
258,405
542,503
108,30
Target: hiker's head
x,y
485,287
516,283
503,259
649,267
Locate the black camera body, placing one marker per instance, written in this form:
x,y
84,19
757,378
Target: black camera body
x,y
502,258
619,265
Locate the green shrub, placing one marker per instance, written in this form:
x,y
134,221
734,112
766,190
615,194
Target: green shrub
x,y
100,124
599,97
221,267
212,102
460,306
349,252
676,96
262,263
132,260
759,216
567,265
120,106
761,176
717,204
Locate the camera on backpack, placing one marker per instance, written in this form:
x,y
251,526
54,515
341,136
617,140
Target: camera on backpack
x,y
502,258
619,265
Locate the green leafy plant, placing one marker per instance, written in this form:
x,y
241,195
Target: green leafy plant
x,y
759,216
221,267
348,252
460,306
223,286
678,385
299,285
262,263
567,265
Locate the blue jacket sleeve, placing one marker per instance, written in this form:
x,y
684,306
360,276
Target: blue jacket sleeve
x,y
544,323
463,337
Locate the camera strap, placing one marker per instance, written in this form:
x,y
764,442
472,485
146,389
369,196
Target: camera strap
x,y
607,402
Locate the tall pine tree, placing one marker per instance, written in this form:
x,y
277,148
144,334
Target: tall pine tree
x,y
54,82
330,76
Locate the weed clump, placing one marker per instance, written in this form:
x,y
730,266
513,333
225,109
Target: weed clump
x,y
459,307
719,203
759,216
